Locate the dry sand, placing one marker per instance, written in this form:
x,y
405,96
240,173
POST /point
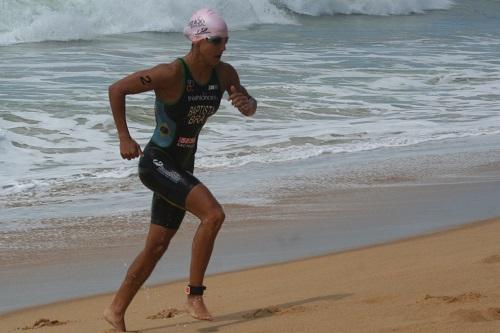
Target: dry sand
x,y
443,282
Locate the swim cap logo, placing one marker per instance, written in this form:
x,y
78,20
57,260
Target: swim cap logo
x,y
203,23
201,31
199,25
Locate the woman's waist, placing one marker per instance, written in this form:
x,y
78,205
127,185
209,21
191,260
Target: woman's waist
x,y
183,158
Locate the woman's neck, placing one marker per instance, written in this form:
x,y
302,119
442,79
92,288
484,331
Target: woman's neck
x,y
200,70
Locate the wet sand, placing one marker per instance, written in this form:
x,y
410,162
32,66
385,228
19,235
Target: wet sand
x,y
91,255
443,282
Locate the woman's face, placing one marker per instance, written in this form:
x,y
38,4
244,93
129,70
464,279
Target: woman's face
x,y
212,49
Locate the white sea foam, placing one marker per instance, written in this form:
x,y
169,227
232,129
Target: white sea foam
x,y
34,20
325,94
367,7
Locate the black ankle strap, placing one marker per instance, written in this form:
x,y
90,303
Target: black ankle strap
x,y
194,290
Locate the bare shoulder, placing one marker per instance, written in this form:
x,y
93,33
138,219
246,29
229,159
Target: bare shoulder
x,y
169,77
167,72
159,78
226,69
227,75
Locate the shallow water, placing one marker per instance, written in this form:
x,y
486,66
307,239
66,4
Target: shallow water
x,y
326,84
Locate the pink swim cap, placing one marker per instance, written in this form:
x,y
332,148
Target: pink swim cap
x,y
205,23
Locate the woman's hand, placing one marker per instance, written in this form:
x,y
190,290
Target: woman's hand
x,y
245,104
129,149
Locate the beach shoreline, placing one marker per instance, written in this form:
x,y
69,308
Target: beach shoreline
x,y
322,224
400,290
310,209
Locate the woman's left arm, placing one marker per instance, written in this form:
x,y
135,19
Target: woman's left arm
x,y
238,95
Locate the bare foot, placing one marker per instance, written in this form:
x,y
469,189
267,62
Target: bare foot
x,y
117,321
197,309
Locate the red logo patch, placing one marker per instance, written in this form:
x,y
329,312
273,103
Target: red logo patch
x,y
187,141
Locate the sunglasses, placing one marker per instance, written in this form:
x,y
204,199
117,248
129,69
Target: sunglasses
x,y
216,40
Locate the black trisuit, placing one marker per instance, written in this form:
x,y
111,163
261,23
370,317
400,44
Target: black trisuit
x,y
168,162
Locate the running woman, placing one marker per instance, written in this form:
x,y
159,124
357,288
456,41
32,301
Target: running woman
x,y
188,91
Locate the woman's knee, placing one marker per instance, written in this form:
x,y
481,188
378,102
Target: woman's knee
x,y
214,217
158,241
157,245
156,250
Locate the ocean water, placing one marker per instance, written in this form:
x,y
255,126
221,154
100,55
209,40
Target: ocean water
x,y
331,77
357,92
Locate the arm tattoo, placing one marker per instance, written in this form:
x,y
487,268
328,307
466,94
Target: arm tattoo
x,y
145,79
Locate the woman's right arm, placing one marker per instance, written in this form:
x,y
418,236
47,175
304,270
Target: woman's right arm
x,y
146,80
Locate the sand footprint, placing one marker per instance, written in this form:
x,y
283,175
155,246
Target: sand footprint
x,y
164,314
467,297
474,316
494,259
262,312
44,322
273,310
